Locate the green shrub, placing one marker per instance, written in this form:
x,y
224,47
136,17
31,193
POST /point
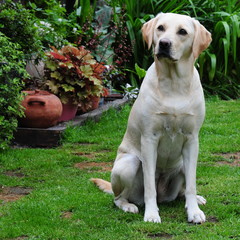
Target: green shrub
x,y
53,25
220,65
12,70
17,23
57,27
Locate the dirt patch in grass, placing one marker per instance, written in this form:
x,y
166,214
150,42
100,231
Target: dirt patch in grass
x,y
14,173
67,215
159,235
94,166
19,238
232,159
86,143
212,219
85,154
10,194
91,155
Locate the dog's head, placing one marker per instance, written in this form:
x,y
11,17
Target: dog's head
x,y
175,36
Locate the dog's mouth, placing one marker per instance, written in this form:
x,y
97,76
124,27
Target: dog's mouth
x,y
165,54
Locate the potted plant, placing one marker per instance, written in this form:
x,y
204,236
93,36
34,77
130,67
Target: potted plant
x,y
74,76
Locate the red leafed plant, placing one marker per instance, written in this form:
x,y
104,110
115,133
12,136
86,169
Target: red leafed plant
x,y
73,74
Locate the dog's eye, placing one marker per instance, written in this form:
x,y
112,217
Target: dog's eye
x,y
182,32
161,28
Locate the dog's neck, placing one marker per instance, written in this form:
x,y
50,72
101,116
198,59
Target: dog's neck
x,y
177,76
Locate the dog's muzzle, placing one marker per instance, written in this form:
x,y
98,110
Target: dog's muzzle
x,y
164,50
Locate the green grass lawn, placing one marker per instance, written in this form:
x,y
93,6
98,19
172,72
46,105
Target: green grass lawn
x,y
64,204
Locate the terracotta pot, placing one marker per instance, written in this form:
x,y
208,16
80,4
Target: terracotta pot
x,y
95,102
42,109
69,111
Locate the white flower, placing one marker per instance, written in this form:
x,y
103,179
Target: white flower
x,y
46,24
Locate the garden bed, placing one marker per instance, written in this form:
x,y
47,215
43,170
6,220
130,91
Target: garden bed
x,y
51,137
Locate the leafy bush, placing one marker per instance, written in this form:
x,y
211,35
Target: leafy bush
x,y
12,70
107,37
57,26
17,23
220,65
73,74
55,29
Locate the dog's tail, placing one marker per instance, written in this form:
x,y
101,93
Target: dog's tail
x,y
103,185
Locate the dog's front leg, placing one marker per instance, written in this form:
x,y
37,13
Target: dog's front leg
x,y
149,158
190,156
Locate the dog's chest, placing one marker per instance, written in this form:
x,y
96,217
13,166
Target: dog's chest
x,y
178,118
175,123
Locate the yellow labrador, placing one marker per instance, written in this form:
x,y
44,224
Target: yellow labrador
x,y
157,158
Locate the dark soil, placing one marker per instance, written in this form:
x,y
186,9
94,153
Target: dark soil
x,y
67,215
159,235
94,166
10,194
232,159
19,238
14,173
212,219
85,154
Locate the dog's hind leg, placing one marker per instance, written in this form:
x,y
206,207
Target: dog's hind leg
x,y
124,172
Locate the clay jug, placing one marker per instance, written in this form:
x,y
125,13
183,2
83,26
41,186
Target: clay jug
x,y
42,109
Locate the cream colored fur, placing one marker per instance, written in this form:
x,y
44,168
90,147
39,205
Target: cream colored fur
x,y
157,158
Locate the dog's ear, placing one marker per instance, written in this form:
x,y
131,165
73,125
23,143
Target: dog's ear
x,y
148,30
202,39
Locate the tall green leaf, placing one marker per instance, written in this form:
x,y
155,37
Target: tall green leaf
x,y
213,61
235,34
220,26
224,42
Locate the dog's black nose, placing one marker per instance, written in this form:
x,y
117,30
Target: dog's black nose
x,y
165,43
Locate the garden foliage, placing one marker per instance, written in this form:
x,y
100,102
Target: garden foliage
x,y
112,31
12,70
219,65
54,27
73,74
17,23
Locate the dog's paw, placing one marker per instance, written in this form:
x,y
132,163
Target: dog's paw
x,y
126,206
129,207
201,200
196,216
152,217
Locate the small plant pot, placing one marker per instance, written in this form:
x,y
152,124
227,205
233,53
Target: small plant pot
x,y
42,109
88,106
95,102
69,111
